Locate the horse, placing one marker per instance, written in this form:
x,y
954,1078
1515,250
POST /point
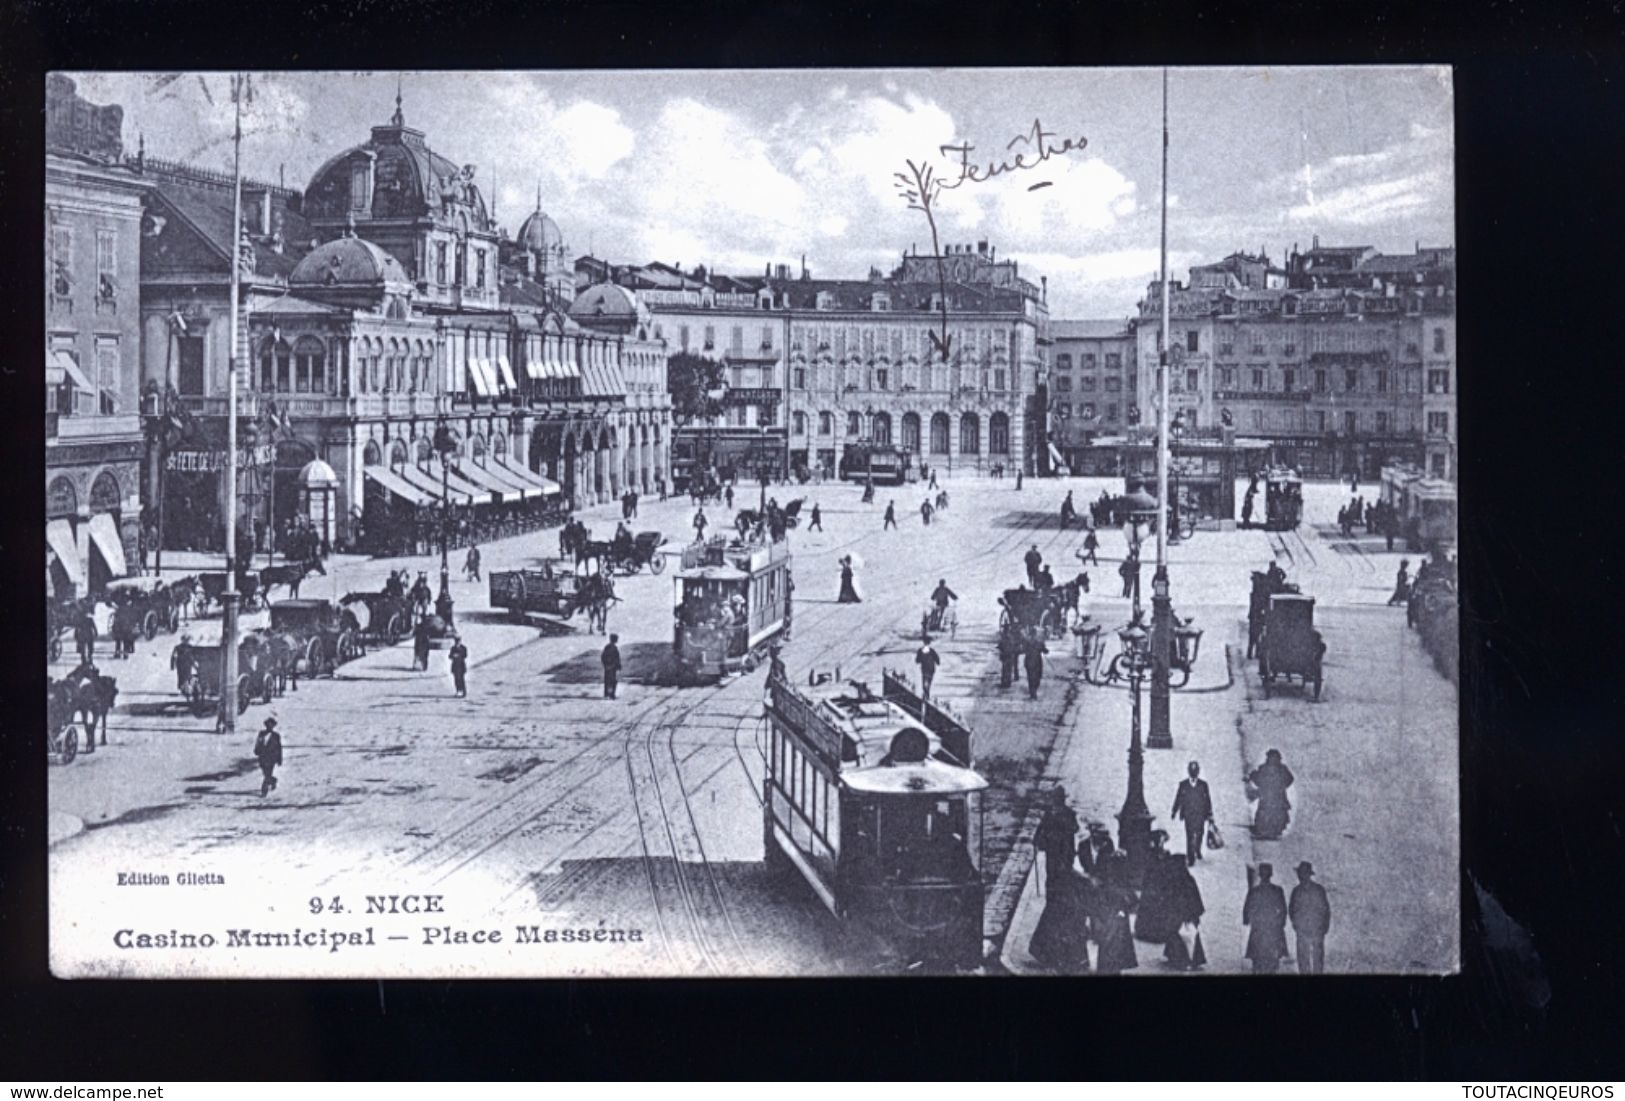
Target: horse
x,y
183,595
283,655
92,696
597,594
290,574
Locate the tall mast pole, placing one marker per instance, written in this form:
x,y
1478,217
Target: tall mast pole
x,y
228,629
1160,735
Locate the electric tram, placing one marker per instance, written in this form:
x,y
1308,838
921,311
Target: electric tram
x,y
732,604
874,801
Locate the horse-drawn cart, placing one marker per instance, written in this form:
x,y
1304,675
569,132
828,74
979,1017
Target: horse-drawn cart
x,y
212,586
627,558
198,669
1290,646
389,617
61,722
147,602
1040,610
558,589
327,635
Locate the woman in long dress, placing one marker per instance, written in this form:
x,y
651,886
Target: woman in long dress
x,y
849,587
1271,779
1061,939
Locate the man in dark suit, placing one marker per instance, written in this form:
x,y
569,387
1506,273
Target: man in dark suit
x,y
611,659
1194,803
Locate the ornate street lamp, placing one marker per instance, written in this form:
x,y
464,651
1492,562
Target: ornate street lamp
x,y
445,445
1134,820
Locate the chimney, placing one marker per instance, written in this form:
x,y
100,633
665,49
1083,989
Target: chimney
x,y
1316,240
981,246
265,213
1044,282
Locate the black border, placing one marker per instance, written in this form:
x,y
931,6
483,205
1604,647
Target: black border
x,y
1540,94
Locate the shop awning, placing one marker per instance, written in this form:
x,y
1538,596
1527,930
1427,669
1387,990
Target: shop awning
x,y
1055,456
66,364
55,373
497,472
105,537
59,537
506,372
479,379
527,477
563,368
462,487
475,474
420,479
398,485
536,368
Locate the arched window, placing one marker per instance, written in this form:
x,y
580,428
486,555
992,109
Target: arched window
x,y
998,434
310,366
826,424
104,492
939,433
798,421
61,499
476,449
370,454
970,434
284,367
854,423
425,451
911,432
267,379
499,447
880,428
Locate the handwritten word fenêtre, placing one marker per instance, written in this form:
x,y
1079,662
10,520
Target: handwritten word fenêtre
x,y
1038,138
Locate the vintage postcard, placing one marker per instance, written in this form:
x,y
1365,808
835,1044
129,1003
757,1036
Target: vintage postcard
x,y
777,523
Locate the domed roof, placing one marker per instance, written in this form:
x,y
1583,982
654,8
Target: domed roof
x,y
317,473
539,233
348,261
605,300
409,180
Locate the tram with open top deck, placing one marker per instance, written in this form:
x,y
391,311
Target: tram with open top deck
x,y
874,800
732,603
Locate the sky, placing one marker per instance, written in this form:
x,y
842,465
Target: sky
x,y
739,169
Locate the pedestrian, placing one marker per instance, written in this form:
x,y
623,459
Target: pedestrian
x,y
84,636
925,512
611,658
891,516
1094,847
699,524
458,656
1343,521
1390,527
1068,511
660,484
1185,905
1156,921
1034,661
728,495
1270,780
1247,507
1032,558
420,645
1354,482
471,565
268,752
1311,915
928,660
1193,803
1113,904
1018,478
1056,836
1264,913
817,523
933,478
1402,584
1130,573
1046,580
1091,545
849,587
1009,655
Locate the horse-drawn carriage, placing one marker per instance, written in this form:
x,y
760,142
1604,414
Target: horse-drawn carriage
x,y
628,556
558,588
146,603
771,522
211,587
325,635
1265,585
389,617
1290,646
82,700
1049,611
61,722
60,616
198,673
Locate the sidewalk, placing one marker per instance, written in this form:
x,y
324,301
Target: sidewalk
x,y
1094,769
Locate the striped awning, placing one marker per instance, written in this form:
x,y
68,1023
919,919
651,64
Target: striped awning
x,y
398,485
68,366
563,368
105,538
506,372
480,378
530,477
59,537
536,368
420,479
475,474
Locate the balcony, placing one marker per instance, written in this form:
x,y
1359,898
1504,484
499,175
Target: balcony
x,y
85,427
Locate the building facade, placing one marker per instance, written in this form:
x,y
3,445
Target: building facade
x,y
1329,367
93,436
1093,372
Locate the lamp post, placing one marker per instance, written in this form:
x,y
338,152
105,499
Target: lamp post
x,y
1161,736
444,446
229,598
1134,820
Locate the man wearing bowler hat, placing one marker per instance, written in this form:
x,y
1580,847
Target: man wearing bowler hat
x,y
1311,915
268,751
1193,803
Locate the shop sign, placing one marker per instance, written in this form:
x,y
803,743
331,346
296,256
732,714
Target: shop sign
x,y
196,461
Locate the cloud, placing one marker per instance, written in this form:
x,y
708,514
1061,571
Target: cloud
x,y
1408,179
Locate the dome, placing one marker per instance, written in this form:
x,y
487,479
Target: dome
x,y
605,300
348,261
317,474
539,233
